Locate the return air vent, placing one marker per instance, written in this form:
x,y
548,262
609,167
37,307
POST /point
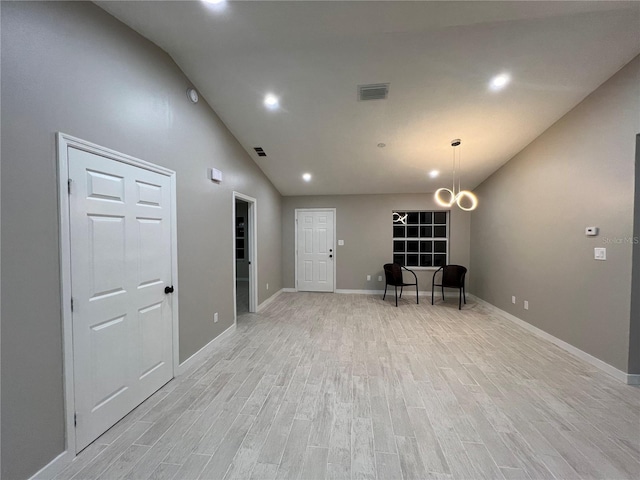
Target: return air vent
x,y
260,151
374,91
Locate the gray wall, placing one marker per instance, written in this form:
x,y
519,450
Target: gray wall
x,y
527,236
71,67
364,223
634,325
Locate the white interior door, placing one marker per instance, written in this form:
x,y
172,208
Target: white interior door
x,y
315,250
120,229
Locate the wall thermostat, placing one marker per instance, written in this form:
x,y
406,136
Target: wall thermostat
x,y
591,231
215,175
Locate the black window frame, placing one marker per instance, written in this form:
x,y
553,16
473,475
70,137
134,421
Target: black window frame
x,y
429,254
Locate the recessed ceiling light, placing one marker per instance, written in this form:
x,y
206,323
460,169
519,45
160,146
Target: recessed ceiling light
x,y
306,177
216,5
382,145
499,81
434,173
271,101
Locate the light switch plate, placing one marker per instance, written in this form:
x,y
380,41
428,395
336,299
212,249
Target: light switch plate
x,y
600,253
340,242
591,231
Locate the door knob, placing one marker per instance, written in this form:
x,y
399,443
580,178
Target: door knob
x,y
168,290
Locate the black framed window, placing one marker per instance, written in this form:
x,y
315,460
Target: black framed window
x,y
421,238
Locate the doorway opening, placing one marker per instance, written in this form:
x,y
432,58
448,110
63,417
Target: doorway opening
x,y
244,254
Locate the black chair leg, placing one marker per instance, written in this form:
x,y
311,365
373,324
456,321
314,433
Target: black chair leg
x,y
460,299
432,288
396,287
385,291
442,291
464,295
417,298
401,289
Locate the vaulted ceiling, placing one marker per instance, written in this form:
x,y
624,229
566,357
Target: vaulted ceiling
x,y
438,58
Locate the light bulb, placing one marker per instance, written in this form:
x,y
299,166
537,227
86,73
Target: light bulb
x,y
271,101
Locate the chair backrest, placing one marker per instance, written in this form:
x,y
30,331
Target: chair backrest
x,y
393,273
453,275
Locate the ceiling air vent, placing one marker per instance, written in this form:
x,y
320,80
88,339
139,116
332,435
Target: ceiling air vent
x,y
260,151
374,91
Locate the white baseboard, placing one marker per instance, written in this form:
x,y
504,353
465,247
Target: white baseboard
x,y
581,354
633,379
359,292
365,292
59,463
269,300
204,351
422,293
54,467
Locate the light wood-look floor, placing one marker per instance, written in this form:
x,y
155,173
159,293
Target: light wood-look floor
x,y
348,386
242,297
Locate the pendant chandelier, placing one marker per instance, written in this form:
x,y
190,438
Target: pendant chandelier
x,y
465,199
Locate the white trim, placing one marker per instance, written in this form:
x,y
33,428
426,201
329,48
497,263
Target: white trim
x,y
363,292
204,351
360,292
422,293
633,379
54,467
581,354
335,250
175,297
252,258
269,300
64,142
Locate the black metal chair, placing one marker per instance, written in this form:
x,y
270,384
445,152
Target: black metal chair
x,y
452,277
393,276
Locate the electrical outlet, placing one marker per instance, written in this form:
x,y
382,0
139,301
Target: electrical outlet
x,y
267,286
368,278
379,278
513,299
215,317
526,304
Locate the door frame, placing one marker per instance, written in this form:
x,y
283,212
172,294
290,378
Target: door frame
x,y
335,250
64,142
252,241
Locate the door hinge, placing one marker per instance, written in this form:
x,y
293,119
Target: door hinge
x,y
72,304
69,186
75,419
